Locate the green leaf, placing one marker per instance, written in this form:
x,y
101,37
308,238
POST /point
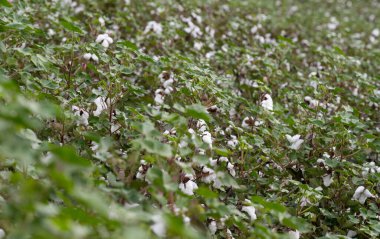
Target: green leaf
x,y
69,26
5,3
198,111
156,147
129,44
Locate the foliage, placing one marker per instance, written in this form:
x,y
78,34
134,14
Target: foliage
x,y
189,119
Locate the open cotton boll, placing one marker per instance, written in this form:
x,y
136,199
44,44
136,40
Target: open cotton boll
x,y
82,115
104,39
101,105
361,194
267,102
295,141
206,137
153,26
233,142
210,175
89,56
188,186
250,210
212,227
327,180
2,233
351,234
158,227
294,234
231,169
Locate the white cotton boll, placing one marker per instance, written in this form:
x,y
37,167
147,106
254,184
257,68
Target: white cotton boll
x,y
295,141
213,162
95,57
188,187
198,45
327,180
233,142
267,103
251,211
158,227
351,234
101,105
206,137
105,44
201,125
104,39
2,233
212,227
231,169
245,124
101,38
153,26
375,32
210,175
101,21
294,234
51,32
229,233
361,194
81,114
87,56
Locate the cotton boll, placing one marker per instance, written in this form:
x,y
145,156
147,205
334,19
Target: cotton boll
x,y
210,175
294,234
101,21
295,141
351,234
251,211
231,169
2,233
361,194
212,227
82,116
267,102
101,105
233,142
87,56
153,26
201,125
206,137
327,180
188,185
158,227
104,39
95,57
